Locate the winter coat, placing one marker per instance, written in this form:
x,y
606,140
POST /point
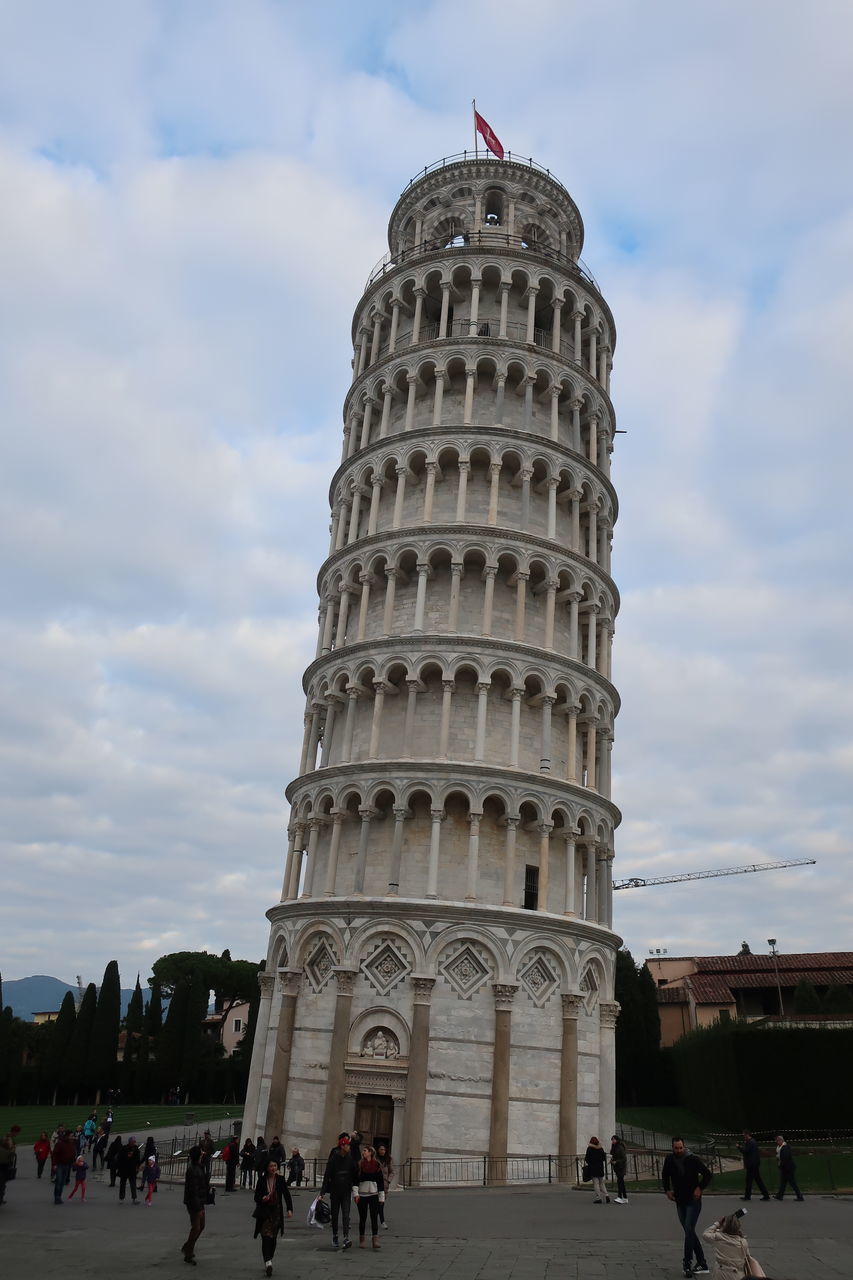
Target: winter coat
x,y
751,1155
594,1160
618,1158
128,1161
785,1156
114,1153
730,1253
684,1183
195,1189
370,1180
64,1151
283,1198
340,1174
247,1157
41,1147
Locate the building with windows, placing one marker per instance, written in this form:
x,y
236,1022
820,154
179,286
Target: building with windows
x,y
440,965
695,991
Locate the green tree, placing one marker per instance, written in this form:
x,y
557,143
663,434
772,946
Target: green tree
x,y
806,998
637,1033
61,1033
154,1012
76,1071
229,980
101,1066
837,999
135,1012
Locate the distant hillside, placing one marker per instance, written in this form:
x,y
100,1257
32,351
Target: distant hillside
x,y
41,994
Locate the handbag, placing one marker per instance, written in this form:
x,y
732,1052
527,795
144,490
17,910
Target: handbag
x,y
210,1197
586,1173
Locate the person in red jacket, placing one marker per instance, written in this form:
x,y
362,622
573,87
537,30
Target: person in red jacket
x,y
41,1148
64,1154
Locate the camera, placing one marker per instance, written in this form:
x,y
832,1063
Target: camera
x,y
741,1213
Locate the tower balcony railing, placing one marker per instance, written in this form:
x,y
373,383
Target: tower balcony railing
x,y
515,332
489,238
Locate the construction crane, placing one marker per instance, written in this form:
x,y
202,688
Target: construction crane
x,y
637,882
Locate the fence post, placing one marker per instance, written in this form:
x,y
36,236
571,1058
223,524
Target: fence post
x,y
485,1170
549,1171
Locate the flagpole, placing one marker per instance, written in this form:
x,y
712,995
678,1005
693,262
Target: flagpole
x,y
474,105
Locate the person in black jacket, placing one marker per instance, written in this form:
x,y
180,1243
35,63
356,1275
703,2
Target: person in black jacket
x,y
271,1195
787,1169
338,1182
684,1178
113,1158
195,1198
752,1166
595,1163
129,1160
619,1165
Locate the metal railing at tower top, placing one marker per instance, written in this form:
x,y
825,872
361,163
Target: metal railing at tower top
x,y
490,238
480,157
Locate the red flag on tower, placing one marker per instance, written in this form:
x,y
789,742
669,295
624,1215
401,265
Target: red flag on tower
x,y
488,134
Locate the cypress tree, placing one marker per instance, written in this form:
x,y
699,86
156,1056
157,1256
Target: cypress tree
x,y
135,1012
154,1012
101,1063
806,998
198,996
56,1053
78,1049
170,1047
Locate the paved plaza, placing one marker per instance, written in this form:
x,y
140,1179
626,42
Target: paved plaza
x,y
526,1233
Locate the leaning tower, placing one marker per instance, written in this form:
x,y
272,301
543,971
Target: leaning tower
x,y
440,965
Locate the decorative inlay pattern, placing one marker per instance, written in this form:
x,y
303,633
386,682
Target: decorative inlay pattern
x,y
589,990
320,965
465,971
386,967
539,979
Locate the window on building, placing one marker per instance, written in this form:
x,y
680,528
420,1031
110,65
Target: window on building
x,y
238,1024
531,888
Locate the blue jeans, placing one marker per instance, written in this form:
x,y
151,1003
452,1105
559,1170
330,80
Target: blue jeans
x,y
61,1177
688,1216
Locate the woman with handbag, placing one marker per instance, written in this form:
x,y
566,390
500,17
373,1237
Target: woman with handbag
x,y
271,1195
594,1162
732,1258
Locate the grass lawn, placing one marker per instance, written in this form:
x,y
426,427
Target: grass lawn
x,y
816,1171
669,1120
126,1119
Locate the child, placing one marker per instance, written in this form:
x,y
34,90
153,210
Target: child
x,y
150,1177
80,1171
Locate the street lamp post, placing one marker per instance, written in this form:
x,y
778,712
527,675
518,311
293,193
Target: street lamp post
x,y
771,942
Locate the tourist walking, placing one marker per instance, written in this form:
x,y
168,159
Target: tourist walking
x,y
41,1150
231,1156
619,1166
7,1164
208,1146
338,1182
684,1178
113,1158
595,1164
99,1148
732,1258
271,1195
261,1159
127,1165
787,1169
752,1166
276,1152
295,1168
386,1164
150,1178
369,1193
80,1171
195,1198
63,1156
247,1163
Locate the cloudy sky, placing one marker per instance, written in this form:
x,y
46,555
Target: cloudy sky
x,y
192,193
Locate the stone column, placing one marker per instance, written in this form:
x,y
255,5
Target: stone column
x,y
531,312
390,592
420,598
557,305
343,616
367,815
429,491
315,825
445,308
369,406
574,601
550,612
568,1130
545,757
253,1120
395,324
555,412
500,390
328,627
447,687
591,727
288,982
412,381
569,908
515,730
589,913
545,829
575,497
377,337
438,398
509,862
577,317
420,294
328,730
473,855
366,580
494,475
349,724
505,288
468,409
482,707
438,816
521,580
572,745
337,1059
552,507
402,471
412,1146
337,817
377,484
294,862
376,724
575,406
489,575
608,1012
499,1114
593,340
464,469
409,727
400,815
475,307
455,590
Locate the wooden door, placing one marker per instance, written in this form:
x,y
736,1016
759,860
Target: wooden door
x,y
374,1118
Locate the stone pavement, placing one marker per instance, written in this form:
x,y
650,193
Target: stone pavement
x,y
525,1233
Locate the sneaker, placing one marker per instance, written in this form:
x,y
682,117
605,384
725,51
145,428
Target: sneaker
x,y
335,1244
384,1226
621,1200
687,1272
347,1242
701,1270
269,1268
765,1197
